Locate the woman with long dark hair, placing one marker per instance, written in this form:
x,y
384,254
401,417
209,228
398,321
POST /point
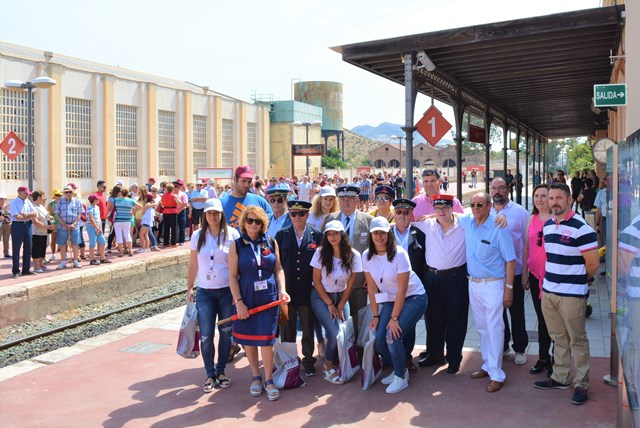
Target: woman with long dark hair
x,y
209,263
533,270
397,297
335,265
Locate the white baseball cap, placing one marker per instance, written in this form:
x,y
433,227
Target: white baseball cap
x,y
379,224
334,225
213,204
327,191
3,196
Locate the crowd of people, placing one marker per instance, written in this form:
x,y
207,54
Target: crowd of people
x,y
323,249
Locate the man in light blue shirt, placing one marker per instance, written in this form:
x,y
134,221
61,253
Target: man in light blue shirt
x,y
491,263
197,198
22,213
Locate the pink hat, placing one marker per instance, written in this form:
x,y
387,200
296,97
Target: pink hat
x,y
24,189
244,171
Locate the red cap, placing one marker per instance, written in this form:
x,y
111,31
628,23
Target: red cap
x,y
24,189
282,177
179,182
244,171
152,180
443,199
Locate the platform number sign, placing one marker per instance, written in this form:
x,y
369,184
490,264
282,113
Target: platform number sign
x,y
433,126
12,145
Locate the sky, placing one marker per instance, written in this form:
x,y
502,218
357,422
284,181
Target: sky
x,y
239,48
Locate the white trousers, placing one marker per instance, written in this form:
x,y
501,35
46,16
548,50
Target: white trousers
x,y
486,301
123,232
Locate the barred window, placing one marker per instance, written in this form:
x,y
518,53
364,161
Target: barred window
x,y
166,143
126,141
78,138
13,117
227,143
252,147
199,142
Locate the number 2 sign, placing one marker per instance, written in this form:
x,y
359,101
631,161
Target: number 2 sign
x,y
433,126
12,146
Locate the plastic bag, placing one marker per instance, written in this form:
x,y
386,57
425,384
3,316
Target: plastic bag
x,y
286,366
189,337
347,354
371,365
365,315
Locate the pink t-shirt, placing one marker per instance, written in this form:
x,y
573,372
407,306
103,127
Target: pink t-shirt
x,y
424,206
537,257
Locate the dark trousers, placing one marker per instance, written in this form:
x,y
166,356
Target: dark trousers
x,y
170,228
544,341
182,225
307,320
447,314
112,237
357,301
518,326
21,236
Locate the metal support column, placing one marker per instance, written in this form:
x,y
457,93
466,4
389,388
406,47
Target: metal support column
x,y
488,118
517,175
410,93
505,135
458,113
526,171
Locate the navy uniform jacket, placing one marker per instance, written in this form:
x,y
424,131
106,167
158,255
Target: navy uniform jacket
x,y
416,251
296,262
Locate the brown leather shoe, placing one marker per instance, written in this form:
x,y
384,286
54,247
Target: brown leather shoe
x,y
479,374
411,367
494,386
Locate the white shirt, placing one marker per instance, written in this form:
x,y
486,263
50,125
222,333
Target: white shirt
x,y
213,260
304,190
517,219
443,250
601,201
316,222
336,281
385,273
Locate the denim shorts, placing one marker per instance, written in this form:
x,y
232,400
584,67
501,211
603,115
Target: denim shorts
x,y
64,235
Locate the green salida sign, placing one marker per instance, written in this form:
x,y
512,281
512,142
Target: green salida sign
x,y
610,95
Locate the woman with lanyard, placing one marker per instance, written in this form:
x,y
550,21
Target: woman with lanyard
x,y
256,278
335,265
397,296
533,270
209,263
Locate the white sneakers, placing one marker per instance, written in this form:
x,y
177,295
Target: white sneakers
x,y
62,265
76,264
396,384
520,358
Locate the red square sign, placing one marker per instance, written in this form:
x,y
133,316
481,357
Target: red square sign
x,y
433,126
12,146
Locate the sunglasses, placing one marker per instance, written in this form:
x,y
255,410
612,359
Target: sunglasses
x,y
539,241
476,205
403,212
298,213
382,198
68,193
276,200
254,220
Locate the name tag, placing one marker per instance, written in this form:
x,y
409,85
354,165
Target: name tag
x,y
364,237
212,275
260,285
382,297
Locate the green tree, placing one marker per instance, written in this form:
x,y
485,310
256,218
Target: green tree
x,y
580,157
333,159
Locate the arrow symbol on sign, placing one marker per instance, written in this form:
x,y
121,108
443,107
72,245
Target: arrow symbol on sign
x,y
621,94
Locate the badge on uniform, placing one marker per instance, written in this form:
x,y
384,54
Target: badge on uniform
x,y
260,285
364,237
212,275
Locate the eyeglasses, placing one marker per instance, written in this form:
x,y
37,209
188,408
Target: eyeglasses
x,y
198,185
476,205
539,241
68,193
154,191
403,212
254,220
499,188
298,213
382,198
443,208
276,200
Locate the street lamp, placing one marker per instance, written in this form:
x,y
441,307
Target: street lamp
x,y
42,82
395,137
306,125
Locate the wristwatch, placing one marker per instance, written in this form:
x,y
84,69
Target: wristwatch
x,y
509,286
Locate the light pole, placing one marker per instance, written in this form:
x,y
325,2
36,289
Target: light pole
x,y
42,82
306,125
395,137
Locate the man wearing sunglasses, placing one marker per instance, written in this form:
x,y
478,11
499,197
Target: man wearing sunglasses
x,y
356,225
277,198
233,204
424,202
384,197
517,219
297,243
412,240
491,263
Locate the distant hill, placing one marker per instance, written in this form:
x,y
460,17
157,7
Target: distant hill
x,y
385,130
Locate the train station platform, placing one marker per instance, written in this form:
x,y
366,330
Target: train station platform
x,y
132,377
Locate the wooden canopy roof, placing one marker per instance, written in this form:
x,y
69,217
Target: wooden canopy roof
x,y
536,73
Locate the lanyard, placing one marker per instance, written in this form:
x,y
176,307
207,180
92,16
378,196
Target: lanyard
x,y
380,269
258,255
213,248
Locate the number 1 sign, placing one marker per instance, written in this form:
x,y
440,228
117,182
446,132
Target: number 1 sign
x,y
433,126
12,146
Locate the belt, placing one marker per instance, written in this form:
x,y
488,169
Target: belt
x,y
448,271
485,280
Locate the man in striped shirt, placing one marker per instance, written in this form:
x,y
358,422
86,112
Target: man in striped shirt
x,y
572,258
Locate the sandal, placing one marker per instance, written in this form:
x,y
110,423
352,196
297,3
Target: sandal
x,y
333,377
223,381
209,384
256,388
103,261
272,393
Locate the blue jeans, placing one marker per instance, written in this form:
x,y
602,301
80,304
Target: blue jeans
x,y
212,304
21,236
394,352
182,226
331,326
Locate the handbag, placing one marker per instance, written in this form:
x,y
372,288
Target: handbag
x,y
189,336
371,365
286,366
347,355
365,315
